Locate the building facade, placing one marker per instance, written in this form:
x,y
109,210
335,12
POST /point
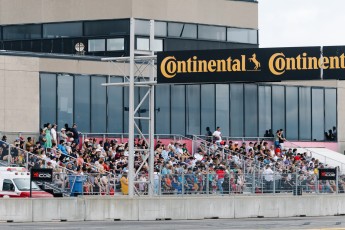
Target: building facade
x,y
43,78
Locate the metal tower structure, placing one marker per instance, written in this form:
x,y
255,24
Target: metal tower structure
x,y
142,74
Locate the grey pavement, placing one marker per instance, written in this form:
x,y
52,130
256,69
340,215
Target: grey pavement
x,y
330,222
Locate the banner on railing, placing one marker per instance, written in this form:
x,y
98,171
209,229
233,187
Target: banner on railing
x,y
44,175
327,174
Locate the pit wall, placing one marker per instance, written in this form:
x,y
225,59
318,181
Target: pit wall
x,y
175,208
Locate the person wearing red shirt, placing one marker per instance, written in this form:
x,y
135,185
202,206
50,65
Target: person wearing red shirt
x,y
220,171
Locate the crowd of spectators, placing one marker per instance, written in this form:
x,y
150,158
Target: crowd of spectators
x,y
216,167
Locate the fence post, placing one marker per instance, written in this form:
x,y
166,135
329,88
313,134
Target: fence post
x,y
253,182
27,160
183,182
160,183
337,180
9,155
207,183
274,180
296,183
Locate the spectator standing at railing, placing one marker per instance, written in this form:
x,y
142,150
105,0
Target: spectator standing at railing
x,y
48,137
124,184
53,133
217,136
63,135
75,133
208,134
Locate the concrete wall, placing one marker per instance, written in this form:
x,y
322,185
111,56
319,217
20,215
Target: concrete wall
x,y
176,208
217,12
19,94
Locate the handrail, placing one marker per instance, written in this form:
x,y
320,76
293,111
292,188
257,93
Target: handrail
x,y
305,148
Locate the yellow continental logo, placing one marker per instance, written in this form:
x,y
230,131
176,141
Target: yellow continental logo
x,y
170,66
278,63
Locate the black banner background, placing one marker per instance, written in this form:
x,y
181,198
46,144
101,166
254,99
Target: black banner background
x,y
34,174
262,75
323,174
333,73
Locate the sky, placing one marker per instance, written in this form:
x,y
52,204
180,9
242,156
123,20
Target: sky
x,y
288,23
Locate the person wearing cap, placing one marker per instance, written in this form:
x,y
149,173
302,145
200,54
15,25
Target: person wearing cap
x,y
63,135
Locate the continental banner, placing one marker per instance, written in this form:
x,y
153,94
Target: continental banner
x,y
241,65
335,56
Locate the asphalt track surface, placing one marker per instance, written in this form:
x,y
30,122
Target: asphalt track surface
x,y
330,222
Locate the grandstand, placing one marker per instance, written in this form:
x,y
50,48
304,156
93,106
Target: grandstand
x,y
182,165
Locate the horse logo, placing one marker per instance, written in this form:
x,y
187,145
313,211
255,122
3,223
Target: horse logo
x,y
256,62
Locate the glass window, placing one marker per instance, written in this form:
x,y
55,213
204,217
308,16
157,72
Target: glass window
x,y
193,110
115,106
162,109
65,100
182,30
208,107
236,110
157,45
222,108
82,102
114,44
96,45
22,32
265,110
304,113
242,35
212,32
47,98
160,29
98,104
115,27
331,111
178,108
143,44
278,108
291,132
143,110
58,30
251,110
317,115
142,27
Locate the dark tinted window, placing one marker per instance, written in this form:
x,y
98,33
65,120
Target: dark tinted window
x,y
82,102
98,105
115,106
291,113
193,109
208,107
162,100
58,30
182,30
330,109
212,32
236,109
47,98
116,27
251,110
304,113
278,108
265,109
317,115
222,108
178,109
22,32
160,29
65,100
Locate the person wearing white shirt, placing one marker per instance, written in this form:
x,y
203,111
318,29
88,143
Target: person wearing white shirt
x,y
217,136
268,175
53,133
